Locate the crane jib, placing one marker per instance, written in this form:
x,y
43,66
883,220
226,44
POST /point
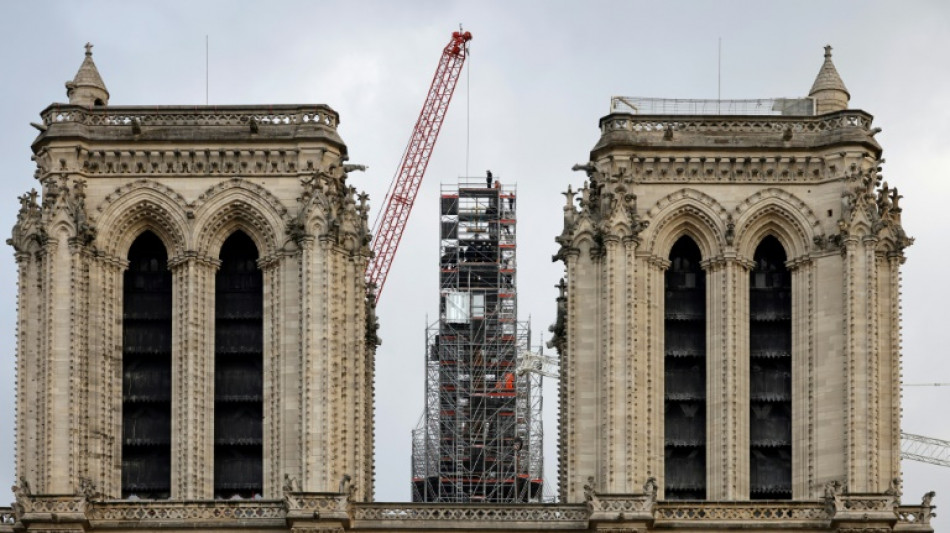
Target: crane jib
x,y
415,159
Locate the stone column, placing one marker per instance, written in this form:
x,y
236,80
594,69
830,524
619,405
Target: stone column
x,y
62,309
654,268
740,452
105,375
803,378
632,381
860,301
272,386
193,282
580,419
29,333
891,379
727,378
614,468
314,351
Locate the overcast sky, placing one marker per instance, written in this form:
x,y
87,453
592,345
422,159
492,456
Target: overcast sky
x,y
539,77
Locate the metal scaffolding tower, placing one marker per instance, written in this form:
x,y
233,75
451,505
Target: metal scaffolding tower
x,y
480,437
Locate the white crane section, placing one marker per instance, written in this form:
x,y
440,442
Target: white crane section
x,y
536,363
925,449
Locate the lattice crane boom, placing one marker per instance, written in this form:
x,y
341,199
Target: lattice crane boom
x,y
925,449
391,221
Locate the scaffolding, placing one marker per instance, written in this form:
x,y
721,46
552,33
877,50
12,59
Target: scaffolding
x,y
480,437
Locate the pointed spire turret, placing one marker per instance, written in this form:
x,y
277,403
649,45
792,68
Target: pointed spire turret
x,y
87,88
829,91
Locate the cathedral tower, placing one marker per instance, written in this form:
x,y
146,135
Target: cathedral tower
x,y
193,320
731,325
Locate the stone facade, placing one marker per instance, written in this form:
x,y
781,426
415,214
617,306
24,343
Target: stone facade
x,y
812,182
193,177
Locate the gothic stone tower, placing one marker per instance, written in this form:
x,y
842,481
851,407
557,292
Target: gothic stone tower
x,y
193,318
730,328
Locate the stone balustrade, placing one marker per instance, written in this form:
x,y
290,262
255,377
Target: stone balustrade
x,y
392,516
178,116
667,125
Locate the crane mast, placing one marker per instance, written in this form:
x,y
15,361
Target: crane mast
x,y
391,221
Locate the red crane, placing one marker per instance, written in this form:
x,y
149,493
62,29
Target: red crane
x,y
391,221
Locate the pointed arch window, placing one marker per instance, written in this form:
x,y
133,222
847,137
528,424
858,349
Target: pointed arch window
x,y
238,371
770,373
146,370
685,373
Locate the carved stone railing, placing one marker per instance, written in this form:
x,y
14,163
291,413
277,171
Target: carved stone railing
x,y
316,504
335,511
661,124
257,116
58,504
669,513
455,516
861,503
167,512
621,507
7,518
913,517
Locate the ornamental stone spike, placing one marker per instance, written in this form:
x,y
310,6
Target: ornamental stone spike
x,y
829,91
87,88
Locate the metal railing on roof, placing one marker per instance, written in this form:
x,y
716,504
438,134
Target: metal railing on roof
x,y
680,106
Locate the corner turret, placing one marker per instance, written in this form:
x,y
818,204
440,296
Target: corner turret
x,y
829,91
87,88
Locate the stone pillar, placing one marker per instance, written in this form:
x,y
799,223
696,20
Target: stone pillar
x,y
58,474
654,268
315,349
581,420
727,378
633,381
861,341
105,375
890,380
28,340
193,282
288,320
272,386
804,411
613,465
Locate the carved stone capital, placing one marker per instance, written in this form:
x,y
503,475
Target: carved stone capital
x,y
193,257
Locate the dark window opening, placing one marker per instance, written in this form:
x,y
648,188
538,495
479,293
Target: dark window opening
x,y
685,374
146,371
770,373
238,372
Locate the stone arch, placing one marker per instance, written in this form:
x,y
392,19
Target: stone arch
x,y
778,213
239,204
142,205
687,212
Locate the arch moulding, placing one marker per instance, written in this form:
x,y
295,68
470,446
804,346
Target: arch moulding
x,y
687,212
778,213
238,204
142,205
